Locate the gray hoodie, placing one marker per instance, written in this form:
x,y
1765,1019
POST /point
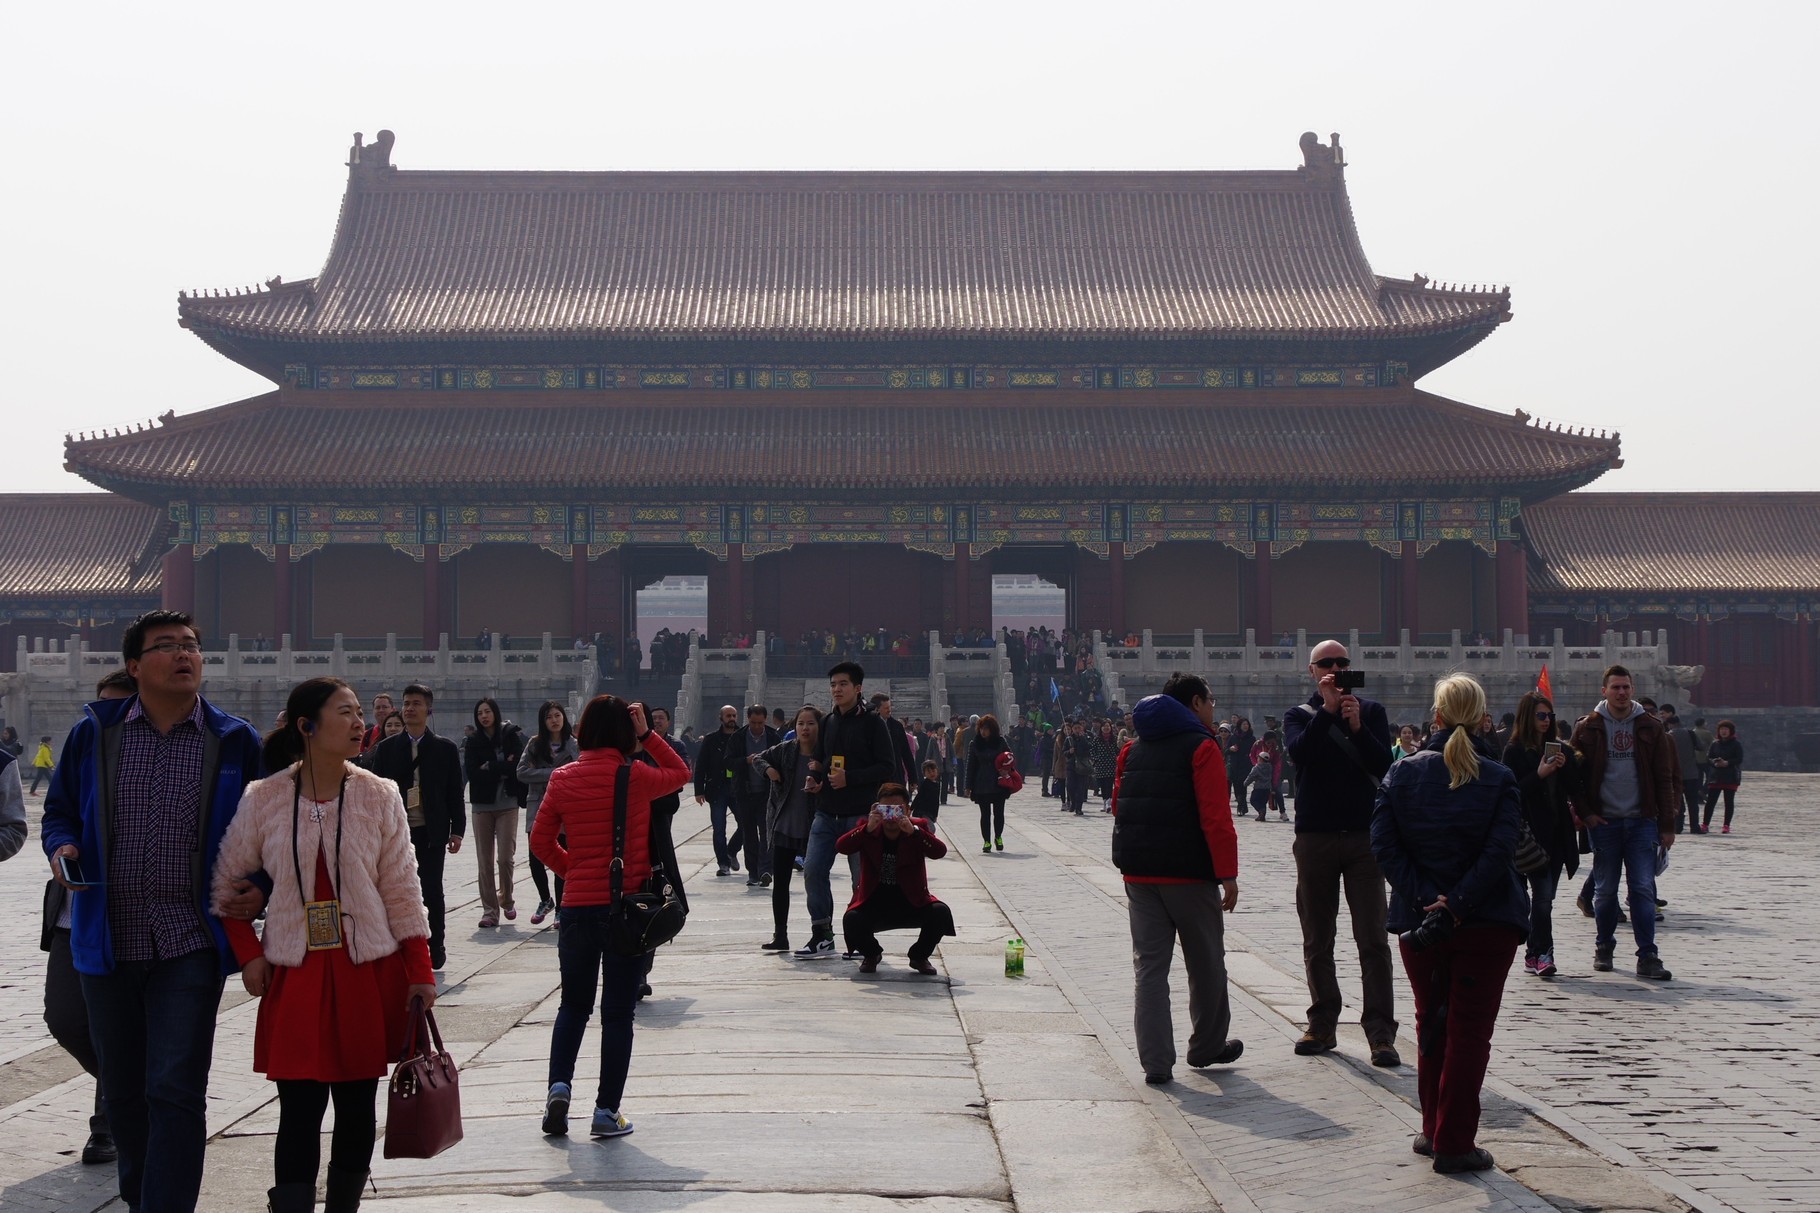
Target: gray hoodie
x,y
1620,795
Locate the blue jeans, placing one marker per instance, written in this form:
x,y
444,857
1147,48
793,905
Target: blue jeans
x,y
586,967
1542,886
1632,842
153,1024
818,862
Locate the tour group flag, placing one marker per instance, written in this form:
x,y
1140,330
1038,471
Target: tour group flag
x,y
1055,692
1542,687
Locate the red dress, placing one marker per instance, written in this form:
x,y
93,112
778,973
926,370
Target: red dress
x,y
329,1019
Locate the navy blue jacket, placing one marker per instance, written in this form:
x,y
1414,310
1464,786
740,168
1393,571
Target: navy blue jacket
x,y
1430,839
79,809
1332,795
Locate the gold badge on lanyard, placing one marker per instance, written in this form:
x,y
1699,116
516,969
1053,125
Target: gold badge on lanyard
x,y
323,920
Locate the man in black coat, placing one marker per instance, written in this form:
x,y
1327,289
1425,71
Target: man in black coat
x,y
1340,744
751,791
720,759
427,770
900,740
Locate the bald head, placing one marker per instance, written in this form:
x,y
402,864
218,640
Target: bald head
x,y
1329,651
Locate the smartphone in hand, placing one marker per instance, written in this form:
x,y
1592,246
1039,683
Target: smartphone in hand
x,y
73,875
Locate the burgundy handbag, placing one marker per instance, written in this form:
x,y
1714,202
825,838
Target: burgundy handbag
x,y
423,1111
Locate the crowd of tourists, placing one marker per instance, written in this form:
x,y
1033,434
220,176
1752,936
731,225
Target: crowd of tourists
x,y
335,826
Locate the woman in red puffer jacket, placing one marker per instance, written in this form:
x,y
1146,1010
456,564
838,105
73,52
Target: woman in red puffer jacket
x,y
573,836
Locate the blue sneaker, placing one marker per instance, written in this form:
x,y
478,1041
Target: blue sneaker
x,y
556,1110
608,1123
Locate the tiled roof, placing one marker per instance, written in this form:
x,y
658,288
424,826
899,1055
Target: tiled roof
x,y
70,545
693,442
1668,542
844,256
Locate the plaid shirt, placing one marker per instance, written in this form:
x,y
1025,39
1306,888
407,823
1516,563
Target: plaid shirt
x,y
152,906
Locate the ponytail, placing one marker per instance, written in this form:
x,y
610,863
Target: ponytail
x,y
283,746
1460,704
1462,759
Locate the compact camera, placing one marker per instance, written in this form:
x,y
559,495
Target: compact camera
x,y
1348,681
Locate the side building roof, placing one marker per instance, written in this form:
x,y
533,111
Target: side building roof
x,y
1676,543
448,259
501,445
56,546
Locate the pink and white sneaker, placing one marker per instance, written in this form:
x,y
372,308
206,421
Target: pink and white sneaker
x,y
1725,829
1531,965
1545,965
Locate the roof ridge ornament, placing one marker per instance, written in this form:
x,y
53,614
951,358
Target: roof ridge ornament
x,y
1322,162
374,157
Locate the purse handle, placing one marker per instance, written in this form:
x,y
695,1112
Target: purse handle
x,y
424,1021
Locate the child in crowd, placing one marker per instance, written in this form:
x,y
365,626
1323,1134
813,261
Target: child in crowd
x,y
1259,785
928,801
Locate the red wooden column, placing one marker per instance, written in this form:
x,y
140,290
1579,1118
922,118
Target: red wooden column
x,y
963,556
1260,594
1513,587
1703,645
578,588
1410,574
736,587
432,594
1115,559
1804,659
180,578
281,593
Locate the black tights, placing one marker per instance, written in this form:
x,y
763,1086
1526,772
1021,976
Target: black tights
x,y
1712,799
992,818
540,877
783,866
297,1156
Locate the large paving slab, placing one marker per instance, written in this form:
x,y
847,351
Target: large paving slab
x,y
759,1083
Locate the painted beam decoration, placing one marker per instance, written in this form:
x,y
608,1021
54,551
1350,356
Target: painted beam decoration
x,y
839,378
776,524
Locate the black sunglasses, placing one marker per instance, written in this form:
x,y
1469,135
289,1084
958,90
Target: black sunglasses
x,y
1328,663
1545,715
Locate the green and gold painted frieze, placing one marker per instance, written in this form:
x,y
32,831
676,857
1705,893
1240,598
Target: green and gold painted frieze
x,y
774,524
838,378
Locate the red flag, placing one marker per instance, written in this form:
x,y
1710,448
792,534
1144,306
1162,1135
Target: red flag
x,y
1542,687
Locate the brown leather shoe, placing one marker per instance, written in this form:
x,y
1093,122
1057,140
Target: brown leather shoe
x,y
1313,1043
923,966
1385,1056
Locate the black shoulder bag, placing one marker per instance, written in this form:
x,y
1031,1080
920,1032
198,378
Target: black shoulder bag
x,y
646,919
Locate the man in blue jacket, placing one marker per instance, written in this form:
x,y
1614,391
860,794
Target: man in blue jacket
x,y
1340,744
142,796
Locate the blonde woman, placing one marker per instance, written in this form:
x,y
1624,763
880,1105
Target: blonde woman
x,y
1444,832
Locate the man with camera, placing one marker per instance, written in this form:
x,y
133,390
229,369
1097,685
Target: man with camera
x,y
853,758
1340,744
892,892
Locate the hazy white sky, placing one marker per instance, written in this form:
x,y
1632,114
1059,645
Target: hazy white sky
x,y
1642,176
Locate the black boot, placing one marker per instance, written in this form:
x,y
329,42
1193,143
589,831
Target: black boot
x,y
291,1198
345,1190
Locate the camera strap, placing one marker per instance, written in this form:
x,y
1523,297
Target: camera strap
x,y
1337,732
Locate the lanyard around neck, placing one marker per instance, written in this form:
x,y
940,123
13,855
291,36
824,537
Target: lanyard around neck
x,y
296,856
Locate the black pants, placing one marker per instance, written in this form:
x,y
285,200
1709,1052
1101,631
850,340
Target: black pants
x,y
1688,812
749,812
66,1015
1102,786
301,1103
888,910
1712,799
431,842
783,867
992,818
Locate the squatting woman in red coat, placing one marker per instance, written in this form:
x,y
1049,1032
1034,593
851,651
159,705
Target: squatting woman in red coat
x,y
573,836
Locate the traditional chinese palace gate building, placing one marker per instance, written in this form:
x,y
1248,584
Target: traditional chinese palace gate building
x,y
510,399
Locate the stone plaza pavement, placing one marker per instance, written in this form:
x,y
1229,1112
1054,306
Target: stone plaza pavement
x,y
759,1083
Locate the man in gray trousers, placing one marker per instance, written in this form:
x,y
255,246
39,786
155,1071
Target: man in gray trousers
x,y
1172,838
